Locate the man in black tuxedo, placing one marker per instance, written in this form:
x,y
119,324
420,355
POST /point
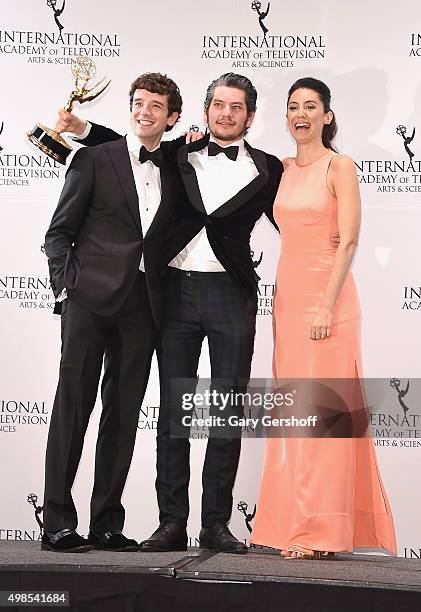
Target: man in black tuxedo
x,y
210,290
104,248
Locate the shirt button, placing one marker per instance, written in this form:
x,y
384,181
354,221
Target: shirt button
x,y
188,274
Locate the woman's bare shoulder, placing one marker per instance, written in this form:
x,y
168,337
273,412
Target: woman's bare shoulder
x,y
287,161
342,161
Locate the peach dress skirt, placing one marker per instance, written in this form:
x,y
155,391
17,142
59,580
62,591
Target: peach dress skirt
x,y
319,493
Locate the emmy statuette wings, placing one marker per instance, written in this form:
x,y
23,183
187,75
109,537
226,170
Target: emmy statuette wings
x,y
50,141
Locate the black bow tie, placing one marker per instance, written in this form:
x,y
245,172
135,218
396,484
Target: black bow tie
x,y
154,156
230,152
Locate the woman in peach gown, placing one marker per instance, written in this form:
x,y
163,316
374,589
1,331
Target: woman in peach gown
x,y
318,494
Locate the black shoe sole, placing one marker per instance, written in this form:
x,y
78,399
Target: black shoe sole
x,y
121,549
77,549
240,551
156,549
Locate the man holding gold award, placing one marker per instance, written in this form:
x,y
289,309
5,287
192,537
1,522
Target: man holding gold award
x,y
104,248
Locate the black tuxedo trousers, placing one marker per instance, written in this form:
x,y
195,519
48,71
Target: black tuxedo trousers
x,y
124,342
199,305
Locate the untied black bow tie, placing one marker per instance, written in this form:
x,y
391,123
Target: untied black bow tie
x,y
154,156
230,152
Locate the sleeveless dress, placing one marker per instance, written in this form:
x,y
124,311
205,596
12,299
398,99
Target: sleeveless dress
x,y
319,493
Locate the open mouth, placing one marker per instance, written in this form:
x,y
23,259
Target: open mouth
x,y
302,126
145,123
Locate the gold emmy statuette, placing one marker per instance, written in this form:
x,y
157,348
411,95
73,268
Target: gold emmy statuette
x,y
50,141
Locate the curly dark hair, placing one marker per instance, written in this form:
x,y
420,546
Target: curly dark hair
x,y
155,82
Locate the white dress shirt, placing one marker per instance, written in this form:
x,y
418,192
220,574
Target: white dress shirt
x,y
219,179
147,178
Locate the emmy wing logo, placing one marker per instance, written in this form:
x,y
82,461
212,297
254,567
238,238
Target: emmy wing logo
x,y
398,422
52,4
242,507
256,6
32,499
401,131
395,383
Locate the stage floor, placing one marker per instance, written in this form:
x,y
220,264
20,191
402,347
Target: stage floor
x,y
103,581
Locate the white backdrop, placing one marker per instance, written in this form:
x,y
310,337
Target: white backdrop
x,y
373,66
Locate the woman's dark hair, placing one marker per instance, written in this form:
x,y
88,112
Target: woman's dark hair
x,y
330,129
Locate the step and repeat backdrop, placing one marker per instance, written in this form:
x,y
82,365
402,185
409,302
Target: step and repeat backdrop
x,y
373,67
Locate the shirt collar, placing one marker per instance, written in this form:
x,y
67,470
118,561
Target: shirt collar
x,y
238,143
134,144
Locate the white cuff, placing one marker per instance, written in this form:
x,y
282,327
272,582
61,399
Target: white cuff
x,y
62,296
85,132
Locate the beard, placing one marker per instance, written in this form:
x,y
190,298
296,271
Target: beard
x,y
237,131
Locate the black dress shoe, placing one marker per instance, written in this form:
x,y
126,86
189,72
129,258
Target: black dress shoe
x,y
219,537
112,540
66,541
168,537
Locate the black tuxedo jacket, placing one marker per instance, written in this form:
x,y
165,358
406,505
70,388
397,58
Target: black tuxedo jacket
x,y
229,227
95,240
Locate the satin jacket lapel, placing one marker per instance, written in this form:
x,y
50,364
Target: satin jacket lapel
x,y
120,159
250,190
188,173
